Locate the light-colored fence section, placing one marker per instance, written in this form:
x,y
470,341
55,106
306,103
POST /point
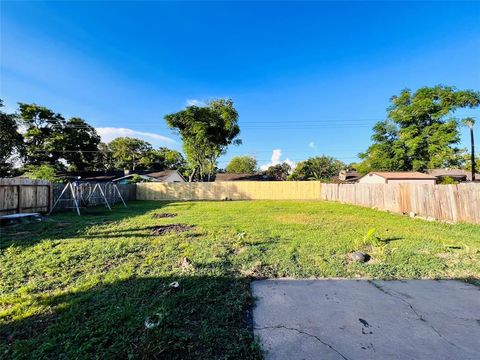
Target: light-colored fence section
x,y
456,203
235,190
24,196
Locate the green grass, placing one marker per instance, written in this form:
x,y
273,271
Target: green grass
x,y
83,287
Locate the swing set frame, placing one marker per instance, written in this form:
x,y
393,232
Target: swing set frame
x,y
78,198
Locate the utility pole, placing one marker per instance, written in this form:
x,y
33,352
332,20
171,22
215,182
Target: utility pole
x,y
469,122
472,141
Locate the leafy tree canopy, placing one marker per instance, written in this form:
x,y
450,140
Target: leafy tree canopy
x,y
317,168
10,142
420,131
42,172
162,159
43,135
242,165
50,139
206,133
128,153
103,159
279,172
79,144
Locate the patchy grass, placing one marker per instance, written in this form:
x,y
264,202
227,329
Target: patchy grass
x,y
86,287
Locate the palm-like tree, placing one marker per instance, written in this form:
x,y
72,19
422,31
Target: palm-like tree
x,y
470,122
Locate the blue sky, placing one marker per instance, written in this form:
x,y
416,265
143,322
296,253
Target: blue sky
x,y
307,78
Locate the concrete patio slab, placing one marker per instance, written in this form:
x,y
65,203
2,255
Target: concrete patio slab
x,y
361,319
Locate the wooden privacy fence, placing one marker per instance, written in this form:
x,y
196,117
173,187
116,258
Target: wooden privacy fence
x,y
455,203
235,190
24,195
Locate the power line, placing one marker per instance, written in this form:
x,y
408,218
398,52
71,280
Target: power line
x,y
110,151
283,125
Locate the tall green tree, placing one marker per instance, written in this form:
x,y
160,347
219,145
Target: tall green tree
x,y
129,153
206,133
79,143
242,165
50,139
317,168
172,159
279,172
42,172
103,159
420,131
43,135
11,142
163,159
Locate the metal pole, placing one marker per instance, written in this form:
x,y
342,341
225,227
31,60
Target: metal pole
x,y
103,194
472,141
119,194
56,201
75,198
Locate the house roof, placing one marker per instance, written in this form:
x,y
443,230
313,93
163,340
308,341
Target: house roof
x,y
348,176
93,176
240,177
162,175
157,175
404,175
453,173
129,176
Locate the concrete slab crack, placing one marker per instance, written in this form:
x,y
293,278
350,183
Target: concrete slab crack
x,y
419,316
304,333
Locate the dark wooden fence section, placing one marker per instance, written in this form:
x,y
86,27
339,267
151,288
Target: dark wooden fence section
x,y
24,196
128,192
452,203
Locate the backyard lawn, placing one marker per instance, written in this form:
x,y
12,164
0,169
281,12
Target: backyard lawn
x,y
100,285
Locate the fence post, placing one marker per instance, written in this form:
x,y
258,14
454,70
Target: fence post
x,y
19,198
50,197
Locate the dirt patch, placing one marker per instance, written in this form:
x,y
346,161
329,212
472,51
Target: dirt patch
x,y
163,215
172,228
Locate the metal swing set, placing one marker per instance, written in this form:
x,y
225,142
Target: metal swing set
x,y
84,194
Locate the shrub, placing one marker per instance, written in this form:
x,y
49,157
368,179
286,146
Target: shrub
x,y
447,180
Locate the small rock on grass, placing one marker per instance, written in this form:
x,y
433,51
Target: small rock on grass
x,y
174,285
359,256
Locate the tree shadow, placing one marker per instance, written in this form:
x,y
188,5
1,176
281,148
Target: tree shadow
x,y
390,239
140,318
69,225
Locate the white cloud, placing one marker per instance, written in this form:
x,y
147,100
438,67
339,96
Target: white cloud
x,y
312,145
276,159
110,133
195,102
276,155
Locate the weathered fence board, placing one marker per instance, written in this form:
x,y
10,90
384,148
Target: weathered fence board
x,y
455,203
24,195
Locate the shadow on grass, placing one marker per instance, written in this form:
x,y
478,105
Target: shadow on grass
x,y
390,239
139,318
70,225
